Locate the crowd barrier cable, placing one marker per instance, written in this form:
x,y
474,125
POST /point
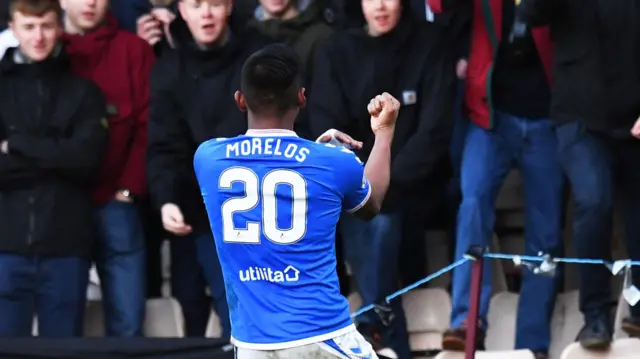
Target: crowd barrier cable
x,y
476,255
412,286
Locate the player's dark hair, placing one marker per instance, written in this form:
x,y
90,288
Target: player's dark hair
x,y
271,80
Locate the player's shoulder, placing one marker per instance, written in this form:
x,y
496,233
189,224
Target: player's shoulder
x,y
211,147
214,143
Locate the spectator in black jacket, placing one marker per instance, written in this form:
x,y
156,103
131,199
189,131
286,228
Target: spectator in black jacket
x,y
192,89
153,25
408,60
596,104
302,25
53,134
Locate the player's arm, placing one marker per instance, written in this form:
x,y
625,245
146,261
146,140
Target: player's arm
x,y
375,180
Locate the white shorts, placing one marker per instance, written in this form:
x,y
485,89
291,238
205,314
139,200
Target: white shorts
x,y
348,346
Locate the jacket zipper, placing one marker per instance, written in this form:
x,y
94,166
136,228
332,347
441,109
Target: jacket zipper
x,y
487,16
32,200
42,100
32,221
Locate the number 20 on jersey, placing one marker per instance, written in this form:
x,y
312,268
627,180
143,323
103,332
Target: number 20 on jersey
x,y
269,211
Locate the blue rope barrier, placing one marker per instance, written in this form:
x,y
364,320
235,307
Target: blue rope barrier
x,y
557,260
413,286
490,256
426,279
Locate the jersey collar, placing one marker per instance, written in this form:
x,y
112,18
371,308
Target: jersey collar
x,y
271,132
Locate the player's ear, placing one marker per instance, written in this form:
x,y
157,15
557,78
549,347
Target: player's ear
x,y
240,101
302,99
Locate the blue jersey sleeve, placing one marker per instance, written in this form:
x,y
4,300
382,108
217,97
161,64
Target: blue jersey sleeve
x,y
356,185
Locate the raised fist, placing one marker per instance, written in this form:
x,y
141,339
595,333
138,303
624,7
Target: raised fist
x,y
384,112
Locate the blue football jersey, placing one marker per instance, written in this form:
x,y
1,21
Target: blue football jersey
x,y
273,201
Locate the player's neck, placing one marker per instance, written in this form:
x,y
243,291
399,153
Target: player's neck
x,y
269,123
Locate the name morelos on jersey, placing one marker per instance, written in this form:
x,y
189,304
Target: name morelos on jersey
x,y
273,201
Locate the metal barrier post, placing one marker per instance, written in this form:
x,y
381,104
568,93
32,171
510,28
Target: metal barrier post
x,y
476,254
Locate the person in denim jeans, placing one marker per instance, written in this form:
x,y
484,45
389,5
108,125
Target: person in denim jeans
x,y
507,98
119,63
596,105
410,60
187,108
595,161
47,168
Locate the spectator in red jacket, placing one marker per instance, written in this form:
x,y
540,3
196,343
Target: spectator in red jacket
x,y
507,97
120,64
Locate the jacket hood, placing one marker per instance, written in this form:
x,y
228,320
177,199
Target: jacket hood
x,y
388,52
302,5
310,13
216,56
395,40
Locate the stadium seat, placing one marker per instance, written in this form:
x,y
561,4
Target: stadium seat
x,y
573,320
94,293
621,312
214,330
94,319
437,244
165,260
567,323
387,353
510,203
93,289
510,219
620,349
501,333
93,275
163,319
557,327
34,329
511,195
428,314
506,354
498,276
571,276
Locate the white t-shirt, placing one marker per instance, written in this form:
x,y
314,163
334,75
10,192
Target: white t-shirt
x,y
7,40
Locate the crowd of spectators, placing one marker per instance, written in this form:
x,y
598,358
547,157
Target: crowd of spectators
x,y
104,102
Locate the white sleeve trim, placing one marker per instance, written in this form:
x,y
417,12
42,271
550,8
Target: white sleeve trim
x,y
364,201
